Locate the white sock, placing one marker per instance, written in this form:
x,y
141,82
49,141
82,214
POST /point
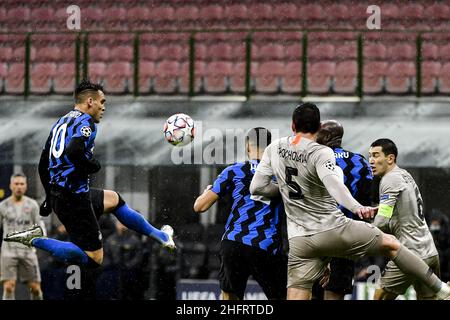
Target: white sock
x,y
444,292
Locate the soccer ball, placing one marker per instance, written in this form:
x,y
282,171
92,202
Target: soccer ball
x,y
179,129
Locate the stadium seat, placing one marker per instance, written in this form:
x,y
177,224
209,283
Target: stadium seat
x,y
444,79
444,52
17,19
402,51
430,75
346,51
99,53
97,71
173,52
14,82
3,74
166,78
237,79
374,73
118,77
198,74
146,72
138,17
64,78
220,51
292,76
49,54
92,18
285,12
148,52
318,52
121,53
115,18
375,51
236,15
430,51
187,16
5,54
40,17
399,77
211,16
293,52
345,78
41,77
217,75
268,52
260,14
320,76
267,77
163,16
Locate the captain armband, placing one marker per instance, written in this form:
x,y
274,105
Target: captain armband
x,y
385,210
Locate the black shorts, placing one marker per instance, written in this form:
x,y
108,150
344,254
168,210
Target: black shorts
x,y
239,262
341,276
79,216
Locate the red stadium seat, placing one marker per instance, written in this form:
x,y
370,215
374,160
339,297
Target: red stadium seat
x,y
402,51
39,17
237,79
319,52
148,52
92,18
260,13
320,75
211,16
217,75
121,53
173,52
97,71
49,54
162,16
138,17
41,77
64,78
374,73
166,78
17,19
220,51
430,51
285,12
346,51
293,52
3,74
292,76
376,51
399,77
115,18
187,16
430,76
236,16
444,53
99,54
146,72
444,79
268,52
184,77
14,82
345,78
5,54
267,77
118,77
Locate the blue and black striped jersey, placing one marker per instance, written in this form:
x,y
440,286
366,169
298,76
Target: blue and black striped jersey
x,y
357,176
63,173
253,221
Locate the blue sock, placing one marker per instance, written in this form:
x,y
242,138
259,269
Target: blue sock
x,y
135,221
66,251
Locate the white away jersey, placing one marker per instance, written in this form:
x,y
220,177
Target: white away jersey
x,y
401,201
300,165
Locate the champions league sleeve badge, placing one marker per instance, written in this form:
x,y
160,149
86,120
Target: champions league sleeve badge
x,y
86,131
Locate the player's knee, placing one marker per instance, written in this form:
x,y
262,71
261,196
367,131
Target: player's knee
x,y
121,202
111,200
389,245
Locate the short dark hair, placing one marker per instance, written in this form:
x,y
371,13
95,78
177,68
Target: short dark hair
x,y
306,118
18,175
387,146
259,137
86,85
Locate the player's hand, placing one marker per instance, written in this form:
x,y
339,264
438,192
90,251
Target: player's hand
x,y
45,208
366,212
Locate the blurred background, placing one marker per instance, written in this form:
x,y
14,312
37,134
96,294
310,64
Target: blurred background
x,y
230,65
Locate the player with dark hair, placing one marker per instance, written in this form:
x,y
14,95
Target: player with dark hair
x,y
358,179
310,186
401,213
251,244
65,165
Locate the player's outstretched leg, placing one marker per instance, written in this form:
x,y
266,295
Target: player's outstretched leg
x,y
135,221
65,251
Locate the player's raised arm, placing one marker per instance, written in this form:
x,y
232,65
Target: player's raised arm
x,y
327,172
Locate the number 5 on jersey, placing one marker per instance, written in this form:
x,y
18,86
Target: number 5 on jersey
x,y
297,193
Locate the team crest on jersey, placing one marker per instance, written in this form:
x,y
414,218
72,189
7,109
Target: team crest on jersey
x,y
86,131
329,165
